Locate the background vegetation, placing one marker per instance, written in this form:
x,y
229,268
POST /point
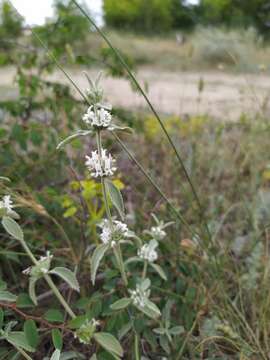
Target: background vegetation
x,y
217,291
160,16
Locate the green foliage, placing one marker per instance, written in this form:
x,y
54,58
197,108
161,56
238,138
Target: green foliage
x,y
230,47
158,16
183,15
11,25
65,30
236,13
151,16
11,28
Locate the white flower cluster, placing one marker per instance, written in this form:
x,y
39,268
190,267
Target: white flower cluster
x,y
148,252
110,235
6,203
139,296
100,118
100,165
43,266
157,232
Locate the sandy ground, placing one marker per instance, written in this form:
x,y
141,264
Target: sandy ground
x,y
224,96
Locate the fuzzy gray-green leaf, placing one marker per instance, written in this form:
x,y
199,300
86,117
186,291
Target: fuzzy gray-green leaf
x,y
68,276
96,259
120,304
12,228
116,198
18,339
73,137
56,355
109,343
32,289
159,270
7,296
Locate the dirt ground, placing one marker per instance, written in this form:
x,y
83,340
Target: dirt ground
x,y
224,96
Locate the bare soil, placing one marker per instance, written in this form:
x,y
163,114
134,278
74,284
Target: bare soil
x,y
223,96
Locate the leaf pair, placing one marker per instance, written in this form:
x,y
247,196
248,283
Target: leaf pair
x,y
65,274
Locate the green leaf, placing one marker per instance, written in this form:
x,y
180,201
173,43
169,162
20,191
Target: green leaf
x,y
3,284
72,355
177,330
7,296
116,197
96,259
77,322
13,215
109,343
120,304
94,357
68,276
124,330
56,355
153,307
71,211
159,331
54,315
31,333
159,270
57,339
73,137
12,228
150,309
126,129
24,301
165,344
32,289
3,178
18,338
1,318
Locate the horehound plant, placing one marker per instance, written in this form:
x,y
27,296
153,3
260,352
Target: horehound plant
x,y
114,233
134,294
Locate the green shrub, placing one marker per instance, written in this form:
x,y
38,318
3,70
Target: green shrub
x,y
67,28
150,16
233,47
10,25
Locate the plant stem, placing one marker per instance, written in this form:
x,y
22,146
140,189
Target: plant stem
x,y
59,296
22,352
145,265
136,345
67,239
49,281
121,264
117,249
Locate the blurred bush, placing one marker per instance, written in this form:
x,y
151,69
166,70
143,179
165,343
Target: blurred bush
x,y
67,27
235,13
10,24
11,27
222,46
150,16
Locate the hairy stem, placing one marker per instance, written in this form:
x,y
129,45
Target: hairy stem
x,y
49,281
22,352
145,265
117,249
